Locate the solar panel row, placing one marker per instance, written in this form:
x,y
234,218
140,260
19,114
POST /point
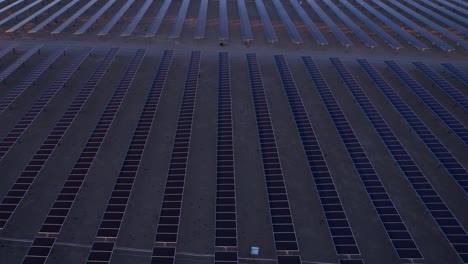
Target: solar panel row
x,y
452,165
201,21
153,29
15,133
244,20
440,43
12,67
115,18
226,216
453,123
169,217
447,222
357,30
337,220
31,17
267,26
433,25
223,21
435,15
73,17
451,5
309,23
6,50
459,97
136,19
389,216
118,201
19,12
176,29
290,27
344,40
53,16
456,72
26,179
11,5
30,79
287,248
90,21
387,38
445,11
59,211
410,38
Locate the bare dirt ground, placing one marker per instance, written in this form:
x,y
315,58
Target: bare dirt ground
x,y
197,227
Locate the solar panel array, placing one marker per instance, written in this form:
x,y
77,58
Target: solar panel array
x,y
17,192
226,216
443,84
445,11
446,158
244,20
19,12
12,67
169,217
321,40
154,27
59,211
456,72
451,121
42,10
111,221
201,22
28,80
290,27
73,17
337,220
284,233
267,26
136,19
177,28
223,21
53,16
115,18
90,21
448,224
15,133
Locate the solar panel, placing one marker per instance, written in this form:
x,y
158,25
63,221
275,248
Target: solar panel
x,y
12,67
118,201
177,28
31,17
57,215
115,18
201,21
433,25
447,222
153,29
336,218
95,17
6,50
456,95
169,217
52,17
440,43
449,4
10,6
445,11
280,212
357,30
267,26
290,27
445,116
435,15
456,72
462,3
244,20
73,17
379,31
225,227
453,166
410,38
223,20
309,23
19,12
136,19
344,40
30,79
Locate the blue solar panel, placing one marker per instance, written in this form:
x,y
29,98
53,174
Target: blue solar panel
x,y
433,25
223,32
31,17
457,72
293,34
410,38
453,231
177,28
453,166
453,123
335,214
153,29
136,19
73,17
445,11
268,27
244,20
115,18
447,3
459,97
462,3
19,12
345,41
12,67
201,21
440,43
435,15
95,17
369,177
357,30
52,17
321,40
387,38
11,5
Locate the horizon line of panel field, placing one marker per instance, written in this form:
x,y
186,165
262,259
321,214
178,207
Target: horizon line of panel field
x,y
456,22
